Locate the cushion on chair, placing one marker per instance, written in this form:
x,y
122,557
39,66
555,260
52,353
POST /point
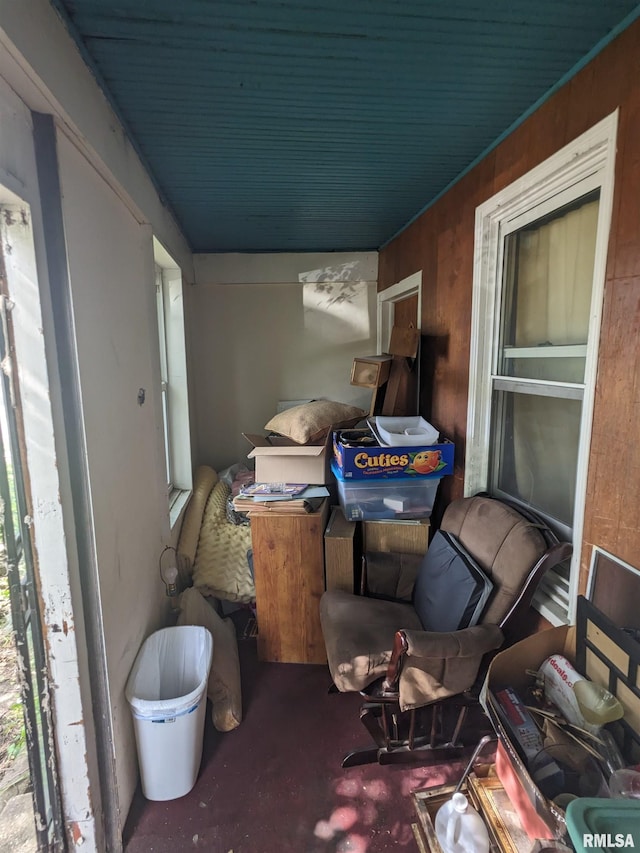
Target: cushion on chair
x,y
504,544
223,687
358,634
451,589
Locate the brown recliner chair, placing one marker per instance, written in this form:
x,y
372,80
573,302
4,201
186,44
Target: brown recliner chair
x,y
403,667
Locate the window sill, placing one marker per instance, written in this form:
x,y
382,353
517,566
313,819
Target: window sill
x,y
178,500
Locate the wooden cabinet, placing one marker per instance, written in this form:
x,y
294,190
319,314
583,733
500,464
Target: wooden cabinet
x,y
288,566
340,551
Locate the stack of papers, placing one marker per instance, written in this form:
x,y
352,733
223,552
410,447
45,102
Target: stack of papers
x,y
273,491
280,497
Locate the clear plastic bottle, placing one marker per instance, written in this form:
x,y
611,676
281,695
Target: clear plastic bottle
x,y
459,827
611,757
625,784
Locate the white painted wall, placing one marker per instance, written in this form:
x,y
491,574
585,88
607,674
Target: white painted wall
x,y
265,328
111,270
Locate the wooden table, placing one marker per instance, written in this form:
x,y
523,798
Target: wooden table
x,y
288,566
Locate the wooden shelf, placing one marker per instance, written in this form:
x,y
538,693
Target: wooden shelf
x,y
288,565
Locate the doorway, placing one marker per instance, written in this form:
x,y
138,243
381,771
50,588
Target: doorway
x,y
30,793
402,304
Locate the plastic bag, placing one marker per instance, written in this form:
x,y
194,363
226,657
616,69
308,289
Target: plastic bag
x,y
170,673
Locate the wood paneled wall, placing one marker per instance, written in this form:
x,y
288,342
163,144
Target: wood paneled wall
x,y
440,243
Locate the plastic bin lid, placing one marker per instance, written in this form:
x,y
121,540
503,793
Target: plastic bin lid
x,y
603,817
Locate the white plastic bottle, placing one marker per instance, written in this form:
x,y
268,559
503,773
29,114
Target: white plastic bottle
x,y
459,827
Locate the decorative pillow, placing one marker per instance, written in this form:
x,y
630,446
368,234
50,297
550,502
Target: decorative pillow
x,y
309,423
224,687
451,590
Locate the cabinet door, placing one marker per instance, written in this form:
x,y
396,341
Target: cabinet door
x,y
288,563
340,545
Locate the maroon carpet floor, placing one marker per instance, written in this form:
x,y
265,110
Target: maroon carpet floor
x,y
275,784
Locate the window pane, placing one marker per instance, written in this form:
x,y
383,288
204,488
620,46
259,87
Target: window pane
x,y
548,277
167,444
553,369
534,441
162,335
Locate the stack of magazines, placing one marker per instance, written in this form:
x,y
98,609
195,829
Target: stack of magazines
x,y
280,497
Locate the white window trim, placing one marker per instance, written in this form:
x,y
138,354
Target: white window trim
x,y
386,302
591,154
178,407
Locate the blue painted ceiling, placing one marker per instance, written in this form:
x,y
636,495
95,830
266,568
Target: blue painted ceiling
x,y
324,125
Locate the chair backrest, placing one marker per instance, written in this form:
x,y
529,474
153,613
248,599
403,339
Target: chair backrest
x,y
514,547
204,480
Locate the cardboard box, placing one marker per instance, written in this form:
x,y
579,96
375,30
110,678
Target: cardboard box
x,y
598,649
280,460
539,815
363,463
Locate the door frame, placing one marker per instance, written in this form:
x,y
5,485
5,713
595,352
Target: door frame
x,y
51,523
387,298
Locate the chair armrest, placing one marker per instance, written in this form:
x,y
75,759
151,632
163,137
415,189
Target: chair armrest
x,y
468,643
204,480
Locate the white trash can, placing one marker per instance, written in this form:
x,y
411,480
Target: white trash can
x,y
167,694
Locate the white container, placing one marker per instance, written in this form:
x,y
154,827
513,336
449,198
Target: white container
x,y
409,431
459,827
167,694
559,679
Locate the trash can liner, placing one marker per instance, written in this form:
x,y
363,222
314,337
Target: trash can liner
x,y
168,684
170,673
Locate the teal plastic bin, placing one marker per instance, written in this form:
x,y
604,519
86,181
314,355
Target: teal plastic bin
x,y
600,825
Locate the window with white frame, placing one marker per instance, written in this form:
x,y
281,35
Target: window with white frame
x,y
164,373
173,378
539,268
